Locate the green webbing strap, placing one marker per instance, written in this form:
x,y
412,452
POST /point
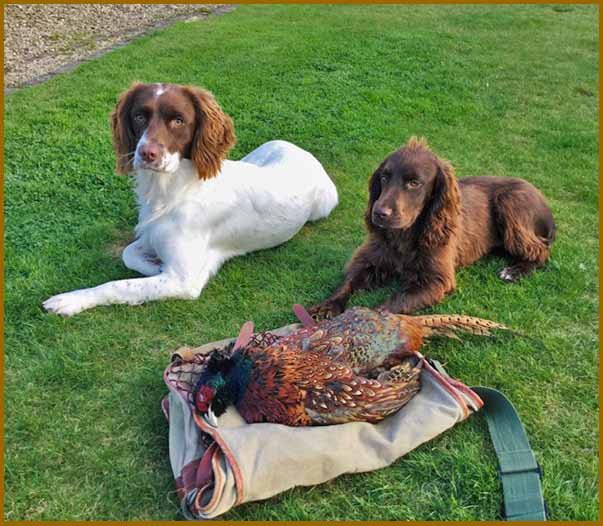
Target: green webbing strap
x,y
519,472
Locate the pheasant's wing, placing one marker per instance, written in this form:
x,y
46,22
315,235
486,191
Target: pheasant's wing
x,y
347,397
365,339
339,340
404,372
332,344
360,338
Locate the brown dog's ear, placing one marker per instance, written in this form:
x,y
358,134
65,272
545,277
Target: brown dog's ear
x,y
214,135
374,193
441,215
124,140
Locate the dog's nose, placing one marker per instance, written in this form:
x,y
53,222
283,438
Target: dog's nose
x,y
149,152
382,213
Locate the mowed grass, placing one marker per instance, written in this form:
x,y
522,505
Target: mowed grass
x,y
501,90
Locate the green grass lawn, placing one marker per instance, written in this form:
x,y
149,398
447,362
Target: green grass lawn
x,y
501,90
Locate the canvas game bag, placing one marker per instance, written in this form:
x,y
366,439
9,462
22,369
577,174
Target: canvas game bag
x,y
217,467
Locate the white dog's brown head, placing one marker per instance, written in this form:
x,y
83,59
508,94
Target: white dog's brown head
x,y
157,125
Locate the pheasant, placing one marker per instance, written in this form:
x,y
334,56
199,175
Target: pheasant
x,y
358,366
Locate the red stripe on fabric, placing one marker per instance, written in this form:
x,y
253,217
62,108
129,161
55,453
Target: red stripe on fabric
x,y
218,487
468,391
204,473
449,387
188,475
215,434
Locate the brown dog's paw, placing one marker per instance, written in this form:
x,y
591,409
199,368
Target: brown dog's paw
x,y
508,275
517,271
325,310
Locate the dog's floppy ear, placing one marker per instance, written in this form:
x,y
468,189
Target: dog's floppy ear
x,y
214,135
441,214
124,140
374,193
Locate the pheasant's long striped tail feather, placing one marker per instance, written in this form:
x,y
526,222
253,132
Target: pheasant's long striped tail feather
x,y
449,324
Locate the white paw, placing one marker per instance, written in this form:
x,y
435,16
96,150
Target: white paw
x,y
69,303
506,275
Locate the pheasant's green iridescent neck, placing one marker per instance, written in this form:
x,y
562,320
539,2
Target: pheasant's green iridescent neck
x,y
233,387
216,382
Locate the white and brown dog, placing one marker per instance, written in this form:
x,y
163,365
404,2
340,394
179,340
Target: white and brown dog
x,y
197,209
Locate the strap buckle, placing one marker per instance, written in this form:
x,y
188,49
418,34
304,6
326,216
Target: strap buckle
x,y
538,469
526,468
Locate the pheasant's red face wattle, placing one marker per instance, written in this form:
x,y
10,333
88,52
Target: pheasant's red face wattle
x,y
203,398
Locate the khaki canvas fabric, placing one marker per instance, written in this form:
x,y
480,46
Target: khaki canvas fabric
x,y
220,466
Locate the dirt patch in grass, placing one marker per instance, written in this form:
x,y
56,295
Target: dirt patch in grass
x,y
43,40
121,238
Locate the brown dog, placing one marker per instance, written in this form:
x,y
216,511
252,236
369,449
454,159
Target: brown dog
x,y
423,224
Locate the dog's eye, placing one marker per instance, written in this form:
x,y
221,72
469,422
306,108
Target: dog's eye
x,y
414,184
139,118
177,122
383,177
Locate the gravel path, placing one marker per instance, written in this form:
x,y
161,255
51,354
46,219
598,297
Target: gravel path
x,y
42,40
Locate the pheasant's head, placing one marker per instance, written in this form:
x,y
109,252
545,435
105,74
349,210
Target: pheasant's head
x,y
206,391
222,383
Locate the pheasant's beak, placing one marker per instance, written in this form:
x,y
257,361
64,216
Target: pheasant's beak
x,y
211,418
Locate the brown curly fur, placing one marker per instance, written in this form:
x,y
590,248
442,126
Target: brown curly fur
x,y
214,136
419,236
124,139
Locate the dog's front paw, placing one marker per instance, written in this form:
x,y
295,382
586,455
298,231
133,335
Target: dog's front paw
x,y
325,310
507,275
69,303
513,273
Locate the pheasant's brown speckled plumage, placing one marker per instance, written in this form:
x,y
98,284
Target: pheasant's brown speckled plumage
x,y
359,366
